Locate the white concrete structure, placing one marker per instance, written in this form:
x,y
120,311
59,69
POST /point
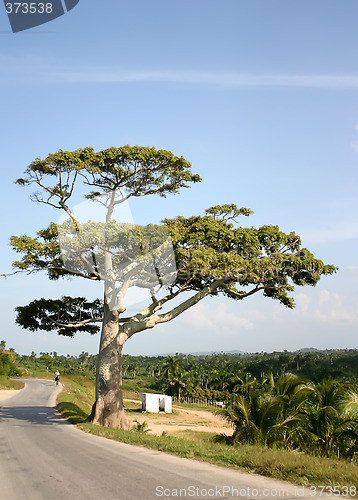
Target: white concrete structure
x,y
154,403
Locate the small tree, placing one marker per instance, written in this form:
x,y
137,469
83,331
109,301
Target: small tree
x,y
177,377
212,255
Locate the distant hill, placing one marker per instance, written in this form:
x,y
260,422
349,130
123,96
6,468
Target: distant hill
x,y
199,353
307,349
303,350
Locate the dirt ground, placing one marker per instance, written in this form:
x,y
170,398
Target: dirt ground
x,y
180,420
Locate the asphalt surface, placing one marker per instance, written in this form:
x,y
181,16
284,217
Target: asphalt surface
x,y
44,457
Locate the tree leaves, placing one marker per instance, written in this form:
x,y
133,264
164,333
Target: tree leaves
x,y
138,170
67,315
211,247
213,254
209,251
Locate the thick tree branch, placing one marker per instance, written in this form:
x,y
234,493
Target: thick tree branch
x,y
130,328
77,324
158,304
242,295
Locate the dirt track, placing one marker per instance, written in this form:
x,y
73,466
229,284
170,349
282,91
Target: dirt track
x,y
181,420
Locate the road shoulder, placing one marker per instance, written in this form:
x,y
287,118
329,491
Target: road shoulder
x,y
8,393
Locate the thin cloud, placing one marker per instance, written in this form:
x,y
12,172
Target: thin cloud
x,y
328,308
216,320
235,80
34,68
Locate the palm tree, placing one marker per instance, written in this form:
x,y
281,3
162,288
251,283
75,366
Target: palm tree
x,y
243,383
254,416
349,432
172,365
350,404
220,380
141,426
201,375
324,423
291,393
174,371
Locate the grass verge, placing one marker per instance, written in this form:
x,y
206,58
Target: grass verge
x,y
6,383
75,401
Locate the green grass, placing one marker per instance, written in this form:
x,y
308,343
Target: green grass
x,y
197,436
7,383
40,374
75,401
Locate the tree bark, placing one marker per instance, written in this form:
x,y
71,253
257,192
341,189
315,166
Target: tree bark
x,y
108,409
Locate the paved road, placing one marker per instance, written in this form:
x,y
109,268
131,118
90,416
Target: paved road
x,y
44,457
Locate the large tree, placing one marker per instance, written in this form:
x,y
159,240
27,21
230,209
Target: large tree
x,y
179,262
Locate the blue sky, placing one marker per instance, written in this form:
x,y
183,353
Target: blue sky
x,y
260,95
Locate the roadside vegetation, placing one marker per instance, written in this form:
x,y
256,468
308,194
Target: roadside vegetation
x,y
8,368
295,414
75,401
285,425
6,384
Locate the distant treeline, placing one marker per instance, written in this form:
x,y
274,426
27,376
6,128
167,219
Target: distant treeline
x,y
200,376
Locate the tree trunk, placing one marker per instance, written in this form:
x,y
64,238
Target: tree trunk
x,y
108,409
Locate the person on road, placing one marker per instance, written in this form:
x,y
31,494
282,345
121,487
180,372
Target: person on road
x,y
57,376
